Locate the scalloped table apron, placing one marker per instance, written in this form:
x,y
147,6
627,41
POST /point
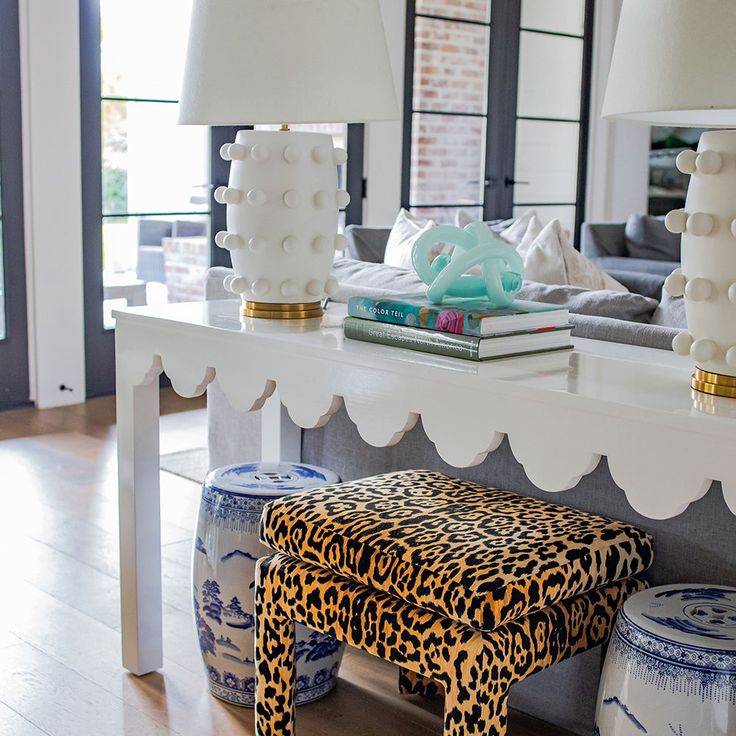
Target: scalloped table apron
x,y
561,414
226,549
671,664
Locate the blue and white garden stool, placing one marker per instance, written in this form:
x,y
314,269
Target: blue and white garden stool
x,y
671,665
226,548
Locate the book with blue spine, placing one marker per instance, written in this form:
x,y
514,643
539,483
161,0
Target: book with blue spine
x,y
475,317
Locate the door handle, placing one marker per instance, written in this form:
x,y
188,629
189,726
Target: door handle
x,y
510,182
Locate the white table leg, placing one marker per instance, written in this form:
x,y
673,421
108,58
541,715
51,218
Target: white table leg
x,y
281,439
140,525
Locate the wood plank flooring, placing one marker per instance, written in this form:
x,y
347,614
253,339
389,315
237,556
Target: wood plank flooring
x,y
60,672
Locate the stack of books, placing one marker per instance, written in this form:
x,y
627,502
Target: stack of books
x,y
471,329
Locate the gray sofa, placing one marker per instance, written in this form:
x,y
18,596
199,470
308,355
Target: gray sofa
x,y
641,244
696,546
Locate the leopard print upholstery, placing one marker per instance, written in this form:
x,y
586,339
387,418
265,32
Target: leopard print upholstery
x,y
475,668
479,556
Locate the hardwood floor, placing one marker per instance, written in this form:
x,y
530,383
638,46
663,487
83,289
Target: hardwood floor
x,y
60,671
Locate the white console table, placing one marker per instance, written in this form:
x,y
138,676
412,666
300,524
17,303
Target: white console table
x,y
561,412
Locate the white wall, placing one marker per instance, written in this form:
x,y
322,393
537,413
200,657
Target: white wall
x,y
618,159
53,198
384,140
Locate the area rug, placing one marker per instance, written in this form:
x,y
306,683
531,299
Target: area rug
x,y
190,464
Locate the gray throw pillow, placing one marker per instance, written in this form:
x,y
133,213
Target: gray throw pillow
x,y
647,237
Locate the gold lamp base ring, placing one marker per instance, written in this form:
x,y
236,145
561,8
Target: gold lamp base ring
x,y
268,310
714,384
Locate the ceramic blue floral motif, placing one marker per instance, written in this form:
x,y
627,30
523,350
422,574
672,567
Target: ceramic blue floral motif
x,y
226,548
613,701
501,267
693,627
671,664
697,594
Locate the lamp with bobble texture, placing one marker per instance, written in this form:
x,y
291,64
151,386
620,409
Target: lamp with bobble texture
x,y
283,232
707,278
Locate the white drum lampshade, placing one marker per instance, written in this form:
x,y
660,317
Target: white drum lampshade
x,y
673,65
284,61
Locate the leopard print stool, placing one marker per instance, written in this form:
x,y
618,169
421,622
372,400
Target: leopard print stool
x,y
464,587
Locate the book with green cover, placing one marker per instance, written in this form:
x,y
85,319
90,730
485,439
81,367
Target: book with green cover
x,y
458,316
466,347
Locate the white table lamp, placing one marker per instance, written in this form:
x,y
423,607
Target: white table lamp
x,y
284,61
673,64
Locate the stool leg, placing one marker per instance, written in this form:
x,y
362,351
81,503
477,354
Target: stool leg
x,y
476,701
412,683
275,637
471,712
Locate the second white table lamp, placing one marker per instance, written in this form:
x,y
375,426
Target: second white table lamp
x,y
673,64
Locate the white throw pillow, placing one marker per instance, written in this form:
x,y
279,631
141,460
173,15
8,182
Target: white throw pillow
x,y
515,232
552,260
533,231
404,234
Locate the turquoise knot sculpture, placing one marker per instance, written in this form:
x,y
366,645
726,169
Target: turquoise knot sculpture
x,y
502,268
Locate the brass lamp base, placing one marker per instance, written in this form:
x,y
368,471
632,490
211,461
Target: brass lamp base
x,y
714,384
267,310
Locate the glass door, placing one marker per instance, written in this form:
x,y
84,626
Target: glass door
x,y
447,116
496,108
14,381
146,180
552,110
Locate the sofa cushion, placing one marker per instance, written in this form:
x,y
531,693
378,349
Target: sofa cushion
x,y
642,265
597,303
627,333
647,237
372,278
640,282
477,555
377,279
366,243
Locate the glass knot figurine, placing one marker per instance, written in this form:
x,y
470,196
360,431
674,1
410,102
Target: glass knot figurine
x,y
501,267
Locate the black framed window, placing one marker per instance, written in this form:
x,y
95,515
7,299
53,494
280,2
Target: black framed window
x,y
496,108
14,380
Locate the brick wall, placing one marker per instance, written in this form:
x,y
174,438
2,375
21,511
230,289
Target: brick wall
x,y
186,261
468,9
450,74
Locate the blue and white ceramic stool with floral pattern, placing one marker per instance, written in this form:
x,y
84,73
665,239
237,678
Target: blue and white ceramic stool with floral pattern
x,y
226,548
671,665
